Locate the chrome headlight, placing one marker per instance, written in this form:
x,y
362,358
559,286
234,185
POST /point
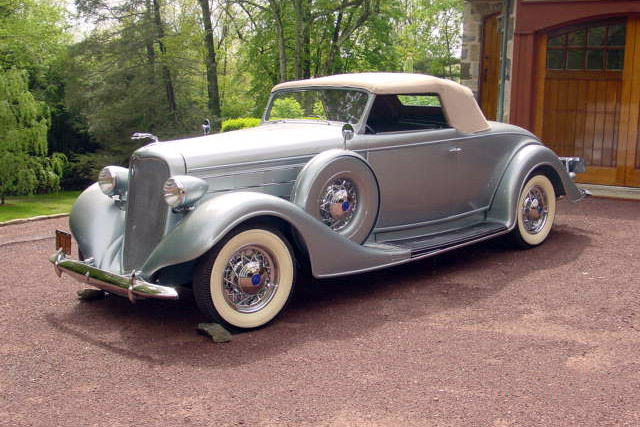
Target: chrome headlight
x,y
114,180
183,191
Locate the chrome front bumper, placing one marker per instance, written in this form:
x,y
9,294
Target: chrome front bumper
x,y
127,286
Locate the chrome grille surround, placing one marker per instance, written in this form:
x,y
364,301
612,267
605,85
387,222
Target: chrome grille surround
x,y
146,210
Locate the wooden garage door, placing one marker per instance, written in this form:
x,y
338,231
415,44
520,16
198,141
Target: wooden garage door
x,y
591,95
631,106
490,67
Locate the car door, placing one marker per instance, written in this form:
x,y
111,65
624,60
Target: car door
x,y
414,154
416,174
482,160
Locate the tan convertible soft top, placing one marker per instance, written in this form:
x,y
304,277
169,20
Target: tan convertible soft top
x,y
459,104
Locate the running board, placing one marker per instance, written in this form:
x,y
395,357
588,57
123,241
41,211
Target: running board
x,y
423,245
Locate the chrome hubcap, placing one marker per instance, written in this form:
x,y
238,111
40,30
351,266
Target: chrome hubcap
x,y
250,279
338,203
535,210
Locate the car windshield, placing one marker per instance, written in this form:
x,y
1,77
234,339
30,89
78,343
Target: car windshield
x,y
340,105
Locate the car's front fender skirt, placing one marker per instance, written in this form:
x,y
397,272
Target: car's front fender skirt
x,y
330,253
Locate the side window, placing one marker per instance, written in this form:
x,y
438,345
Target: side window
x,y
406,113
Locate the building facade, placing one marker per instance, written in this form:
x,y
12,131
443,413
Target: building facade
x,y
568,70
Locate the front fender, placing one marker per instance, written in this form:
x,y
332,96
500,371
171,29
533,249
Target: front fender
x,y
329,252
530,158
97,224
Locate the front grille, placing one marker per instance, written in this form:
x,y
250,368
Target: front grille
x,y
146,210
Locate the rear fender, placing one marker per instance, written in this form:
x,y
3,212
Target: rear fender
x,y
529,160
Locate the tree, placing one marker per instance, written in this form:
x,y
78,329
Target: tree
x,y
24,165
429,36
212,66
31,36
133,71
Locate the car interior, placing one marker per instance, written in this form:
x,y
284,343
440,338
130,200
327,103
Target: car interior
x,y
402,113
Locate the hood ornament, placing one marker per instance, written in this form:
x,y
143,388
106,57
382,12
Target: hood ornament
x,y
142,135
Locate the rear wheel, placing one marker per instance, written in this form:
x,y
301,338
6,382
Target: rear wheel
x,y
245,280
535,212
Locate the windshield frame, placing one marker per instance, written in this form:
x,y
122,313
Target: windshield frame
x,y
357,125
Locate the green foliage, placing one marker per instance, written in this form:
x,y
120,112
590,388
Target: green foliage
x,y
287,108
24,166
115,82
430,36
241,123
83,169
140,67
31,36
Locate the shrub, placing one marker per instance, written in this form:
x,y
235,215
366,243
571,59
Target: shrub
x,y
287,108
240,123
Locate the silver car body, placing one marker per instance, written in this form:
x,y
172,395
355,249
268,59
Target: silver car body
x,y
438,189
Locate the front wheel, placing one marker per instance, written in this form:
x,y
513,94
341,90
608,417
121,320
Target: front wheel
x,y
535,212
246,279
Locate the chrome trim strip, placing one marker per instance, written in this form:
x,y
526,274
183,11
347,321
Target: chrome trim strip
x,y
432,222
269,184
252,171
406,260
435,141
131,286
255,162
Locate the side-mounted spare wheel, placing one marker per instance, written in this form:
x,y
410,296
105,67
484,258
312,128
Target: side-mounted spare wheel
x,y
339,189
246,279
535,212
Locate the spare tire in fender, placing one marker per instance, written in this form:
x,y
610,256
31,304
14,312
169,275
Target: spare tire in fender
x,y
339,188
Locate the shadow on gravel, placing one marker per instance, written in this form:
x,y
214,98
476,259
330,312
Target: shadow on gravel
x,y
164,333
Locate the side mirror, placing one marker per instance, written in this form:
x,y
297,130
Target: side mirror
x,y
347,133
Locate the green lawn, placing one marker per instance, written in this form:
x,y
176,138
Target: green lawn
x,y
42,204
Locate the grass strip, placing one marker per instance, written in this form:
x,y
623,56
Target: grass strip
x,y
18,207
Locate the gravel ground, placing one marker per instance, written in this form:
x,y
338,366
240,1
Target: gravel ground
x,y
483,336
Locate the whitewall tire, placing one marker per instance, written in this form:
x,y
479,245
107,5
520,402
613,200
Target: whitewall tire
x,y
535,212
247,279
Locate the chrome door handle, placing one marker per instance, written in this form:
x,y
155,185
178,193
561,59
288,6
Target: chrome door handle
x,y
455,149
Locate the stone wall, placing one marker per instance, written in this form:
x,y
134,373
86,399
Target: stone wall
x,y
474,14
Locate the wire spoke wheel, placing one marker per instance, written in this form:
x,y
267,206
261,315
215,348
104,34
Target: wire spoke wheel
x,y
535,212
250,279
339,203
247,279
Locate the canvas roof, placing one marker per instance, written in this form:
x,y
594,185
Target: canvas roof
x,y
461,108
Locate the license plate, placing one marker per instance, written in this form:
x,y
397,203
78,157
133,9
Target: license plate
x,y
63,241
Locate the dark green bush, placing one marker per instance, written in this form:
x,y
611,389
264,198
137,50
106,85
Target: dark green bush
x,y
240,123
82,170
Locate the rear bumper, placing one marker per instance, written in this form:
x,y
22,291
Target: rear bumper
x,y
127,286
574,165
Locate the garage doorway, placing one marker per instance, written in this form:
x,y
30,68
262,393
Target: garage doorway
x,y
591,98
490,67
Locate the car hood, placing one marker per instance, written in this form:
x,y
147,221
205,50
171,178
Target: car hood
x,y
264,142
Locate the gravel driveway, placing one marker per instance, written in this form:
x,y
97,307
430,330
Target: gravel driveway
x,y
483,336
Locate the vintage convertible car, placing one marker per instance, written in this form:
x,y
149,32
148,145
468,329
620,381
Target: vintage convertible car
x,y
345,174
